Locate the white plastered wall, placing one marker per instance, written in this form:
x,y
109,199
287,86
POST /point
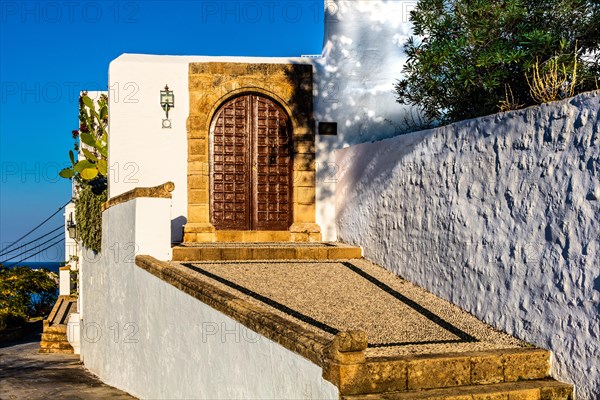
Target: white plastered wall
x,y
143,335
141,152
354,82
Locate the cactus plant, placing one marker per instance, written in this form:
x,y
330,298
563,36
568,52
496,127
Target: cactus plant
x,y
93,136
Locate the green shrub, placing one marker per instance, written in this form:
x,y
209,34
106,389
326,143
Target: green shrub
x,y
474,57
88,217
93,124
25,294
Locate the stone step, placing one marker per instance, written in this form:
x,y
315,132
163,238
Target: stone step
x,y
54,337
54,334
63,345
63,307
57,351
54,340
546,389
61,313
436,371
238,251
58,329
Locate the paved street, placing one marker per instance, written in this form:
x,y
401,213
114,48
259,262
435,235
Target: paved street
x,y
26,374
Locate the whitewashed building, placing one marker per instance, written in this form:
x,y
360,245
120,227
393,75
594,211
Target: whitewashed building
x,y
351,85
190,161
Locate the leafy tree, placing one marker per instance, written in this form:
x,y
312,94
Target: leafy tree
x,y
25,293
477,57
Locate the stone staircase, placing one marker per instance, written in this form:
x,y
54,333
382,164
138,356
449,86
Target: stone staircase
x,y
465,371
506,374
54,335
535,390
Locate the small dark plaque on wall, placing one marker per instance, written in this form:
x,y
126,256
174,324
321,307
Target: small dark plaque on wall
x,y
327,128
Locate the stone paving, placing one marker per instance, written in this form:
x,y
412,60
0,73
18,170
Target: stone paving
x,y
26,374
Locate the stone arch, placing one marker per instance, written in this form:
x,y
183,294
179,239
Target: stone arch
x,y
252,90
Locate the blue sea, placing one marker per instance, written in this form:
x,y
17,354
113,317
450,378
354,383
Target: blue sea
x,y
50,265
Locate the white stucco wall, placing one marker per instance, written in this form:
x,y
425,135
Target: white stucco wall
x,y
362,59
71,249
141,153
148,338
354,81
499,215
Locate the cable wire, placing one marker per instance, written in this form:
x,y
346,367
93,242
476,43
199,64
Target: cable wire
x,y
35,254
28,233
36,247
34,240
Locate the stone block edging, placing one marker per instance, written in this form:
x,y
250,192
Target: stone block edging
x,y
161,191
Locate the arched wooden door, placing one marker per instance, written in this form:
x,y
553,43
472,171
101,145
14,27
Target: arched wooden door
x,y
251,165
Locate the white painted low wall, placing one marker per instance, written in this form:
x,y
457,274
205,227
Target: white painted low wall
x,y
74,332
64,282
148,338
499,215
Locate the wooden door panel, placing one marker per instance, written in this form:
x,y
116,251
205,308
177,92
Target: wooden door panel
x,y
273,166
251,166
230,191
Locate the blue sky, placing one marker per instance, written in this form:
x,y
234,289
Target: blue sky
x,y
50,50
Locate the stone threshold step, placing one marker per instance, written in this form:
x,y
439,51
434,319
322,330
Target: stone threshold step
x,y
239,251
546,389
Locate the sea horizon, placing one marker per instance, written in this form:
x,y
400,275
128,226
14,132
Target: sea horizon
x,y
49,265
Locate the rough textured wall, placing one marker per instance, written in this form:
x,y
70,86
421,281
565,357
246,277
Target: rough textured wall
x,y
500,215
154,341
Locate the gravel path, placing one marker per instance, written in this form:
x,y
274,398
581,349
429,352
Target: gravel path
x,y
330,296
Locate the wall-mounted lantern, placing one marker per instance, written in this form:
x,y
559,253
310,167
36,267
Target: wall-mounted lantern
x,y
71,227
167,101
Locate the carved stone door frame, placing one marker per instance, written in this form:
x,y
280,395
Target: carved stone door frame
x,y
290,86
